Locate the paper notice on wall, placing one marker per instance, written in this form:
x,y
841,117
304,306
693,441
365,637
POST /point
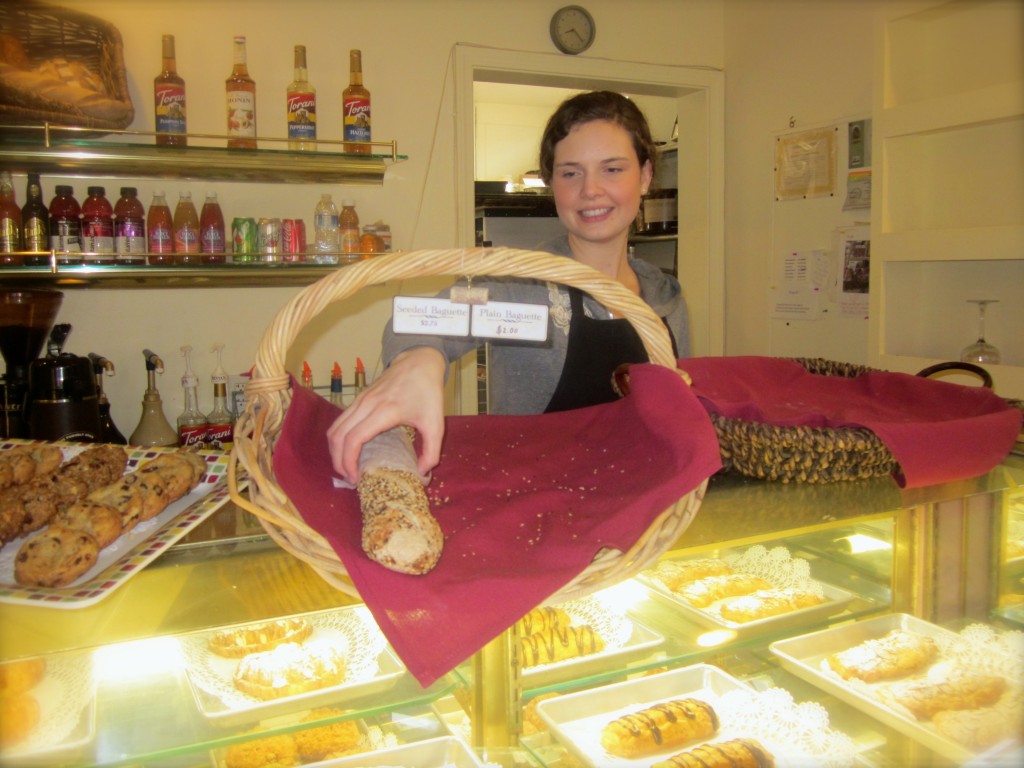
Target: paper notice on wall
x,y
805,164
858,190
801,277
855,247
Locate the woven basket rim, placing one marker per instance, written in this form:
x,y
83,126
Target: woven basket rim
x,y
268,392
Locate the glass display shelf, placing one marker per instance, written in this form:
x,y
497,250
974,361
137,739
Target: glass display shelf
x,y
77,152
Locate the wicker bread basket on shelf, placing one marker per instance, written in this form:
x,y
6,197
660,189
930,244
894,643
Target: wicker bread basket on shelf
x,y
269,395
804,454
43,49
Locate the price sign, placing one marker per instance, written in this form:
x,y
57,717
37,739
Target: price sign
x,y
435,317
506,320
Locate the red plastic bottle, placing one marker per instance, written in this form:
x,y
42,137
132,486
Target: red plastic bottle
x,y
160,231
211,231
66,225
129,228
97,228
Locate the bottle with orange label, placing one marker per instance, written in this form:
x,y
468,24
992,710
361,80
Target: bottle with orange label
x,y
169,99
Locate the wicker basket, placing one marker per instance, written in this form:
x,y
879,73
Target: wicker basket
x,y
45,32
804,454
269,395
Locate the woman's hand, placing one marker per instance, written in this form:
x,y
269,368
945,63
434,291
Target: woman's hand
x,y
409,392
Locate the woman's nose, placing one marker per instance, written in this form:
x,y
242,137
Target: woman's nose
x,y
591,186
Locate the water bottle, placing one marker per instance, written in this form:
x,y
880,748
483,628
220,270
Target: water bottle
x,y
325,224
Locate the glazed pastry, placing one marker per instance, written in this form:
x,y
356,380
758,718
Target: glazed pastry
x,y
675,574
21,676
560,644
768,602
543,619
961,690
289,670
703,592
660,727
736,753
255,638
895,655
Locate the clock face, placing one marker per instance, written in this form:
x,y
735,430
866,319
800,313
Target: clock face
x,y
572,29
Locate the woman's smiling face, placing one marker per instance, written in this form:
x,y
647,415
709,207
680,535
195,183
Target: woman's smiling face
x,y
597,181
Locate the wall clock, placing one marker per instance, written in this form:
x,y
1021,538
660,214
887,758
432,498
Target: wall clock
x,y
572,29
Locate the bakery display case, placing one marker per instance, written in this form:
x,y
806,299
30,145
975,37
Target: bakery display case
x,y
147,673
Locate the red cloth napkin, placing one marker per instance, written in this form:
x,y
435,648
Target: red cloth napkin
x,y
525,503
935,430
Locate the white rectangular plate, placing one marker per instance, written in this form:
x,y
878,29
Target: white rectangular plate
x,y
134,550
442,752
804,656
779,726
371,668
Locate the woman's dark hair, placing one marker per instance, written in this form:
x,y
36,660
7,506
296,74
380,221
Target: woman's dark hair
x,y
595,105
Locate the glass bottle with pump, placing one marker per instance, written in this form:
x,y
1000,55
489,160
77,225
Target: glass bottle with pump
x,y
109,433
241,101
169,100
301,106
356,107
35,224
191,422
10,221
220,423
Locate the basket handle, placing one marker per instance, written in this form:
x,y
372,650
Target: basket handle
x,y
473,262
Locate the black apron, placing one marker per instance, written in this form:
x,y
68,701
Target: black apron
x,y
596,348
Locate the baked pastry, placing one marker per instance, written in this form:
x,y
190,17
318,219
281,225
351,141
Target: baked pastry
x,y
255,638
21,676
768,602
560,644
735,753
986,726
269,752
328,741
125,496
660,727
399,532
55,557
542,619
704,592
19,714
532,721
177,472
896,654
960,690
102,521
675,574
289,670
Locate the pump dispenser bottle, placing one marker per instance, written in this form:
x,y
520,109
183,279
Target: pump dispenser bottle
x,y
109,433
153,429
221,424
191,422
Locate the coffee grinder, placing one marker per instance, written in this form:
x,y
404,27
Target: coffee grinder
x,y
63,402
26,317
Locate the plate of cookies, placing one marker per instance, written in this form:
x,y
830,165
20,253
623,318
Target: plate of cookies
x,y
78,520
958,693
249,672
698,715
745,592
47,709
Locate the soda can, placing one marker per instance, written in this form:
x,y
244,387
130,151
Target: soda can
x,y
268,237
243,239
293,238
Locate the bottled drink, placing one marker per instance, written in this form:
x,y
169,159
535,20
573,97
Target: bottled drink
x,y
97,228
35,223
356,106
186,231
66,225
10,221
169,100
211,231
160,230
129,228
241,99
301,102
348,223
325,226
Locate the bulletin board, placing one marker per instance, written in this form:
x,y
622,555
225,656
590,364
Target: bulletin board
x,y
821,241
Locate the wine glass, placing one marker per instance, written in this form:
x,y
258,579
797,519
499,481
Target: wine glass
x,y
980,351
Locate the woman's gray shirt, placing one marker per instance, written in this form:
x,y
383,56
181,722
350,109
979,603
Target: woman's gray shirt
x,y
522,376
